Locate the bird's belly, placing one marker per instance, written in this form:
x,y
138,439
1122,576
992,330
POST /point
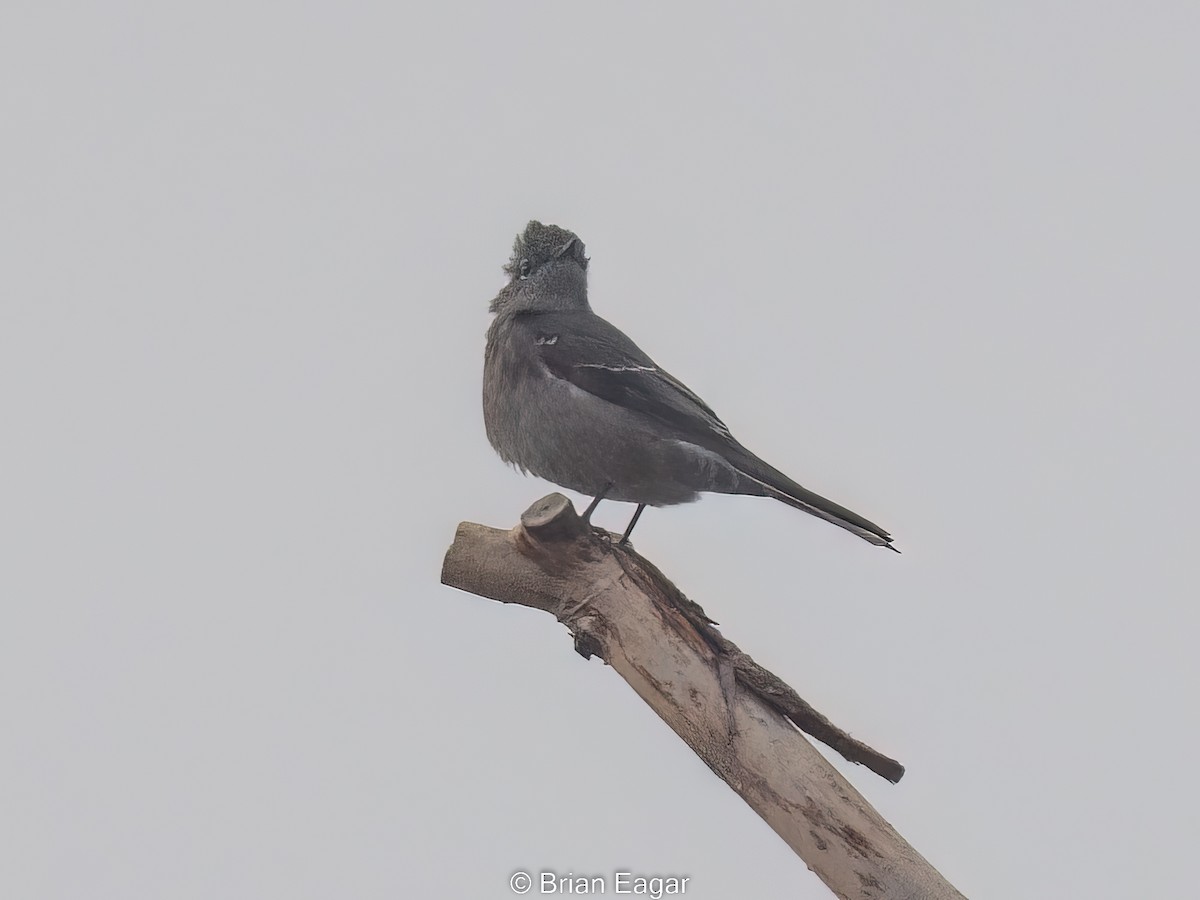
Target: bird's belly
x,y
585,444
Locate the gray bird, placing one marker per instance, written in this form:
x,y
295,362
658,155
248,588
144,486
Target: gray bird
x,y
571,399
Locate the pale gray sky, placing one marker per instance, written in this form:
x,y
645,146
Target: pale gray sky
x,y
935,262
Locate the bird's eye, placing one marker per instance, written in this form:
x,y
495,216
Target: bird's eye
x,y
524,268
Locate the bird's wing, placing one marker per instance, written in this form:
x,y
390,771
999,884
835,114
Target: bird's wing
x,y
588,352
595,356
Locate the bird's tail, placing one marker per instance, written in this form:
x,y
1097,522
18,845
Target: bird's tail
x,y
773,483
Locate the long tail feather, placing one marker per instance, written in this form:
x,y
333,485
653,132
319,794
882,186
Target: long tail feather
x,y
775,484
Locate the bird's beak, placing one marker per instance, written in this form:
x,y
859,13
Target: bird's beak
x,y
565,248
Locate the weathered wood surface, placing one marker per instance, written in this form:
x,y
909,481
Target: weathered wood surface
x,y
734,714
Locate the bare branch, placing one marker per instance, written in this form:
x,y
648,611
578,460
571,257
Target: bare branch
x,y
735,715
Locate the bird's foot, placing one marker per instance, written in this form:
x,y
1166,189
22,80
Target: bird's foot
x,y
624,542
591,508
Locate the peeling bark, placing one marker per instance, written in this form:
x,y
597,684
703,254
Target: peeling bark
x,y
739,718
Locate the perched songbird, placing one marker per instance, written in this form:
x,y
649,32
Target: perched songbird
x,y
570,398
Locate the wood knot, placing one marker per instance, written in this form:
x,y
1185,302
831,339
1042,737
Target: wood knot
x,y
587,642
553,518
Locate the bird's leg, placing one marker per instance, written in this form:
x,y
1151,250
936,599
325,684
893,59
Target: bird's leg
x,y
587,513
628,531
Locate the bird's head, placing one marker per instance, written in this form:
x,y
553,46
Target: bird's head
x,y
548,271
